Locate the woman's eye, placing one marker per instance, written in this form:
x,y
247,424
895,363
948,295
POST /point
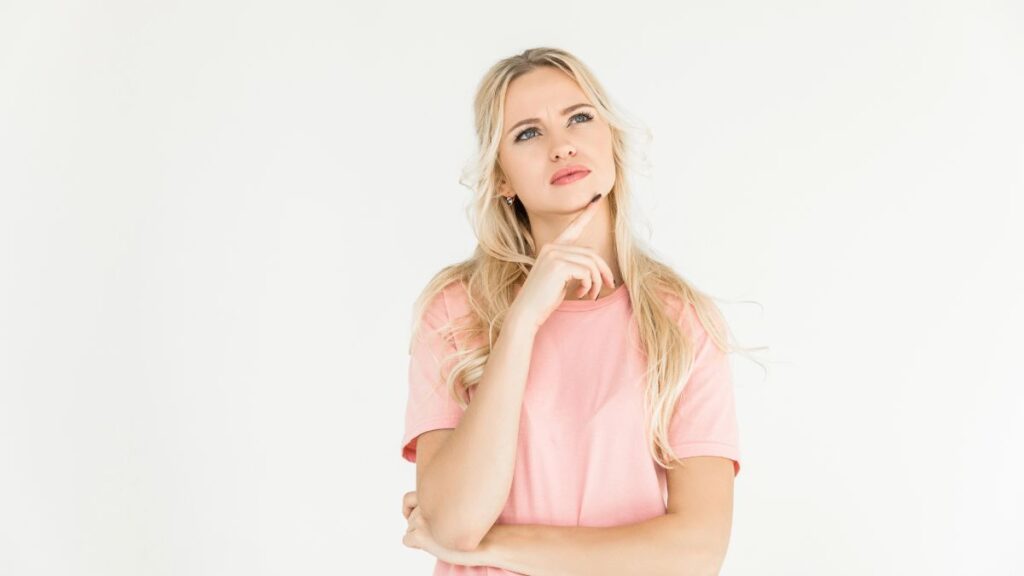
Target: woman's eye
x,y
587,117
519,136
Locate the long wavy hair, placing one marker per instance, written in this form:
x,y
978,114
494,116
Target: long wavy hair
x,y
505,252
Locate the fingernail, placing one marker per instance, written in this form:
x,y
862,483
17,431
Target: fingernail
x,y
594,199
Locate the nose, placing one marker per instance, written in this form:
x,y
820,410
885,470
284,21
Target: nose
x,y
564,151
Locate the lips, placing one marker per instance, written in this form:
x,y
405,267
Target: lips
x,y
568,170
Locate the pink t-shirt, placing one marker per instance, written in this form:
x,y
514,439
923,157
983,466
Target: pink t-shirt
x,y
582,458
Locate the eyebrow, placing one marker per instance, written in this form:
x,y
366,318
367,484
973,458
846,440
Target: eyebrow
x,y
532,120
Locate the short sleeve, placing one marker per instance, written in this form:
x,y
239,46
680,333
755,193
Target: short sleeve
x,y
428,405
704,419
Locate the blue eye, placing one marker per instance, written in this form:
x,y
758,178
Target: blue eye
x,y
586,115
518,139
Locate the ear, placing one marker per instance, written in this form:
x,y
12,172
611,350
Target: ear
x,y
504,188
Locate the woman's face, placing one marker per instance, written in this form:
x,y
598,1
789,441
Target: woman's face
x,y
544,131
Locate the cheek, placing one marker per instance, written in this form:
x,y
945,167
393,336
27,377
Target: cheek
x,y
608,160
603,147
609,154
606,142
524,166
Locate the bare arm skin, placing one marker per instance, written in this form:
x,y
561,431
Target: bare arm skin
x,y
464,475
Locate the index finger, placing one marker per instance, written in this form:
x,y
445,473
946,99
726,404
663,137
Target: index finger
x,y
575,228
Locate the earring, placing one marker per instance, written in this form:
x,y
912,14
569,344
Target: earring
x,y
510,200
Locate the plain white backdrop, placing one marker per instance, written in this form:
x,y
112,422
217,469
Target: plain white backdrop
x,y
215,217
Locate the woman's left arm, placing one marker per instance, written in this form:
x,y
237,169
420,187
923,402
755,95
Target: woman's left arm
x,y
691,539
664,544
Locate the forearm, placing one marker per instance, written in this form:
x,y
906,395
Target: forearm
x,y
466,485
663,545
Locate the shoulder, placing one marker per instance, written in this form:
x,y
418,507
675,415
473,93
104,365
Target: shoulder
x,y
691,319
445,311
444,301
681,309
455,298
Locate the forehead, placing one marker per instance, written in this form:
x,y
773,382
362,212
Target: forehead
x,y
539,92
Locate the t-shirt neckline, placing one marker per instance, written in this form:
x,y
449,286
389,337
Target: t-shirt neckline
x,y
585,304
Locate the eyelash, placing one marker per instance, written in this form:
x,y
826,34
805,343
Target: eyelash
x,y
588,116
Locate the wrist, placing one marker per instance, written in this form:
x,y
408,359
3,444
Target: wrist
x,y
518,322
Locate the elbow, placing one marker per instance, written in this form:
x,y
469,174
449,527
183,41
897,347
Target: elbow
x,y
466,544
454,536
456,526
458,542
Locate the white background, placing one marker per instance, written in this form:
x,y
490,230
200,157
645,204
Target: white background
x,y
215,217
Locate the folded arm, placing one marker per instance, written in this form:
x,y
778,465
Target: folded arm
x,y
690,539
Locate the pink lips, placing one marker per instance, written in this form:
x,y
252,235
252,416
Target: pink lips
x,y
569,174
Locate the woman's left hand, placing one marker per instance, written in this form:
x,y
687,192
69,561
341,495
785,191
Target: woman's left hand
x,y
419,536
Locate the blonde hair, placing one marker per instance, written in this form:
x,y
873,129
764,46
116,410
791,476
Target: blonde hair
x,y
504,256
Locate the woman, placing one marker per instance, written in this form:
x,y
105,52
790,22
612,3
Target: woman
x,y
544,440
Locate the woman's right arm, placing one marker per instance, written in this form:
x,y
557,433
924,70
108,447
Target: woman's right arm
x,y
463,487
464,484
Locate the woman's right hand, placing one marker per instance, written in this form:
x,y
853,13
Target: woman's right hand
x,y
559,262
